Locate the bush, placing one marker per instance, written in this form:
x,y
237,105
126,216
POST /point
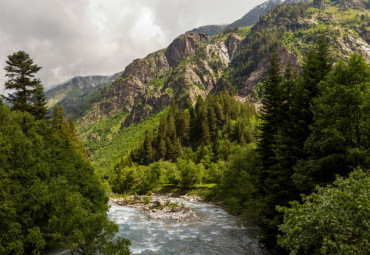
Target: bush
x,y
333,220
190,172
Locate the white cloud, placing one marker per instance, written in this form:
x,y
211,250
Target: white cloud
x,y
84,37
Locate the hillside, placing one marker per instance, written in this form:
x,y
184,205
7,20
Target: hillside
x,y
248,19
236,59
79,93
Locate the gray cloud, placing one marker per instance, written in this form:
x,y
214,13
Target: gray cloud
x,y
84,37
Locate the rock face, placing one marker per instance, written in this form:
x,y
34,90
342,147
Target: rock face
x,y
195,64
185,46
79,85
248,83
190,66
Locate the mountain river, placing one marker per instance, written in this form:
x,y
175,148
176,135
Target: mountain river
x,y
216,232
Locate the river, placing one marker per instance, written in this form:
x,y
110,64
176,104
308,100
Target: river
x,y
215,233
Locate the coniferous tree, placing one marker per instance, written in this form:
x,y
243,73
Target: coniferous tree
x,y
270,113
206,138
148,149
21,71
171,128
38,99
338,142
316,66
212,120
162,148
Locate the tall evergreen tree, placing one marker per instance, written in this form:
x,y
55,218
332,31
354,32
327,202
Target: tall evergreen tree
x,y
270,113
315,68
338,142
21,71
38,99
148,149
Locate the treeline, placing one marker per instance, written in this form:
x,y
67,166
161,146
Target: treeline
x,y
197,140
314,126
50,196
219,117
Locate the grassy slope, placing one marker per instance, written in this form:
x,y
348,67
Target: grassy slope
x,y
107,141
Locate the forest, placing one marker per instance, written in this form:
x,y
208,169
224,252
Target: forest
x,y
50,195
311,131
297,167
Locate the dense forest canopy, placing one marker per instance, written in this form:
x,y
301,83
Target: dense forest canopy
x,y
50,195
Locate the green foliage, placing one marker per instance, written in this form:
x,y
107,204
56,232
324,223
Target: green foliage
x,y
190,172
339,139
332,220
239,182
107,140
196,138
50,195
29,94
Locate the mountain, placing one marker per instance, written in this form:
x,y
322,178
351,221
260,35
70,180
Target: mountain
x,y
253,15
190,66
248,19
210,29
196,64
76,91
292,29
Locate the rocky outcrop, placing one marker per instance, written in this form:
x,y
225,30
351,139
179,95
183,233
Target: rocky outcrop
x,y
194,63
232,44
157,208
209,29
248,83
185,46
189,67
366,35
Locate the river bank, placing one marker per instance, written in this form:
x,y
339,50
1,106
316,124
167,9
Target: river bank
x,y
213,231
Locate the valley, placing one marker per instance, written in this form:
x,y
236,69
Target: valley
x,y
264,120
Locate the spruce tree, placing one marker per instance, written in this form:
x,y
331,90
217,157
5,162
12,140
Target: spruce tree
x,y
316,66
338,142
270,113
148,149
38,99
21,71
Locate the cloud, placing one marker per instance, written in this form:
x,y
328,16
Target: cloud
x,y
69,38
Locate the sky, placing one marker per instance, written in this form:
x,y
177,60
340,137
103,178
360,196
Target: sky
x,y
68,38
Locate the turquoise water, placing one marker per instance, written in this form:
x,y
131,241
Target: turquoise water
x,y
216,232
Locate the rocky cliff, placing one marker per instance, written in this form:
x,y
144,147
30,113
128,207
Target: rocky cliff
x,y
293,29
195,64
190,66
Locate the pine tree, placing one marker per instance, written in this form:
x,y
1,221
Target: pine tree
x,y
38,99
21,71
162,148
338,141
171,128
212,120
270,113
316,66
277,187
148,149
206,138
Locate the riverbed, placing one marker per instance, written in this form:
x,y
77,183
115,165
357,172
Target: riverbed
x,y
215,232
